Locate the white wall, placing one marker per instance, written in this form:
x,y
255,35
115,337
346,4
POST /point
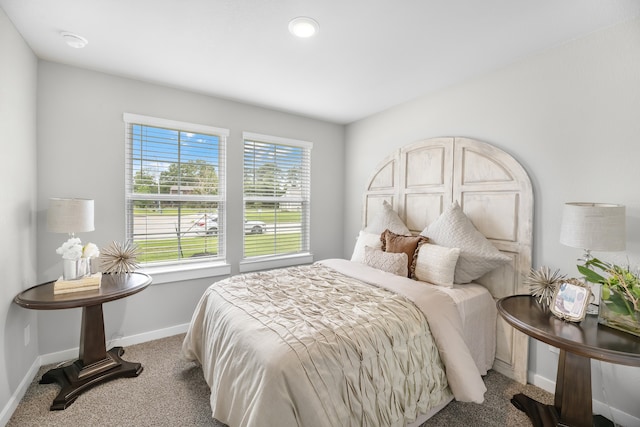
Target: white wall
x,y
81,154
18,68
571,116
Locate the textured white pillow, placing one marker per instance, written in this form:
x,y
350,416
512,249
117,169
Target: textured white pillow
x,y
392,262
477,255
365,239
436,264
388,219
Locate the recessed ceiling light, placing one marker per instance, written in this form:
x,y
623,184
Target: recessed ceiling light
x,y
303,26
74,40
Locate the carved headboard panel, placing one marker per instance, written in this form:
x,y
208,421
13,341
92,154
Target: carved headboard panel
x,y
493,189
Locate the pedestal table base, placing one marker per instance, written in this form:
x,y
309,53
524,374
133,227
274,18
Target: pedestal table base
x,y
77,378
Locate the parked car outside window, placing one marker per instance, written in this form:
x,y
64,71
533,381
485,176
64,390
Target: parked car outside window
x,y
208,225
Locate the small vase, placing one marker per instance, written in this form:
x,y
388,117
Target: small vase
x,y
609,316
74,268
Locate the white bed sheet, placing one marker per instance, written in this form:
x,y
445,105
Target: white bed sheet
x,y
478,313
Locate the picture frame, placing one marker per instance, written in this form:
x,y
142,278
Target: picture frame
x,y
570,300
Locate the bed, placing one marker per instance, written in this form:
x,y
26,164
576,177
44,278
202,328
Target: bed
x,y
355,342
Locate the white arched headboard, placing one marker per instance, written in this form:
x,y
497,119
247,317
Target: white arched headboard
x,y
493,189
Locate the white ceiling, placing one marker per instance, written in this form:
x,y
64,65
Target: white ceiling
x,y
369,55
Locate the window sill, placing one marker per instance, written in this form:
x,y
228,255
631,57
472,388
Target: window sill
x,y
268,263
178,273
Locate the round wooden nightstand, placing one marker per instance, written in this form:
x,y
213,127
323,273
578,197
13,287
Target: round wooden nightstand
x,y
95,364
578,344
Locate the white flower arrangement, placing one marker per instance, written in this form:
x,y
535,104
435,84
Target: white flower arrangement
x,y
90,250
71,249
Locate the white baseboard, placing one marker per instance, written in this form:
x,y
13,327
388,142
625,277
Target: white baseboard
x,y
620,418
614,414
59,356
150,336
71,354
13,402
542,382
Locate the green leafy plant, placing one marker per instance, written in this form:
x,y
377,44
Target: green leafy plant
x,y
620,287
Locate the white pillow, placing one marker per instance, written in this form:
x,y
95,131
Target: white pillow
x,y
365,239
388,219
477,255
436,264
392,262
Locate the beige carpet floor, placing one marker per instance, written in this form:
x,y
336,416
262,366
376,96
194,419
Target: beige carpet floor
x,y
172,392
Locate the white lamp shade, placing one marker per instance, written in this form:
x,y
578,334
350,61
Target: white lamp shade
x,y
70,215
594,226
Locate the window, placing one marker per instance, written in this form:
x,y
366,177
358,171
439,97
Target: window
x,y
175,191
276,200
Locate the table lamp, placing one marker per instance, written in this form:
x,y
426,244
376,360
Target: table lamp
x,y
70,216
593,227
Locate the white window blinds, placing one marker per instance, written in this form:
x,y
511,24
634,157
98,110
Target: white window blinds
x,y
175,190
277,181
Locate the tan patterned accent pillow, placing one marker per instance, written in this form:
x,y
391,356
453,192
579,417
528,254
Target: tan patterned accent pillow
x,y
435,264
392,242
395,263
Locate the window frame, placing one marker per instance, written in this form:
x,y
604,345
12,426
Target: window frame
x,y
180,269
262,262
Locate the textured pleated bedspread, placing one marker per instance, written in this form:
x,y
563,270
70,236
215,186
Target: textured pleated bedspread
x,y
334,343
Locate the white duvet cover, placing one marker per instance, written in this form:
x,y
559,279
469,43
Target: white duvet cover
x,y
319,345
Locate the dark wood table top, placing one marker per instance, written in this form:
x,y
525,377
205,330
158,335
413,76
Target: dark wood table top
x,y
112,287
587,338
